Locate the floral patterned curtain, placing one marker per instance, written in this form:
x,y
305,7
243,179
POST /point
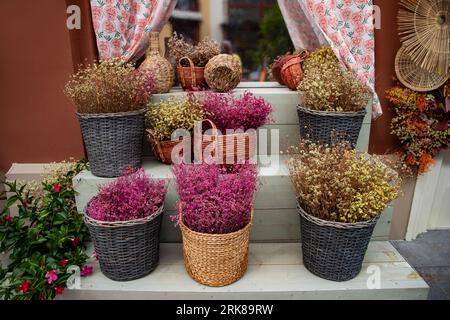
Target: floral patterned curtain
x,y
346,25
122,26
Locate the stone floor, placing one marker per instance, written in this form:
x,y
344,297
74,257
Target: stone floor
x,y
429,254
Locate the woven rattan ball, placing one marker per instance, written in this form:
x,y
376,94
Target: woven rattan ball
x,y
223,72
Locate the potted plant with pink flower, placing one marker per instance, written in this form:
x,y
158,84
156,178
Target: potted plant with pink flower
x,y
124,221
215,217
234,121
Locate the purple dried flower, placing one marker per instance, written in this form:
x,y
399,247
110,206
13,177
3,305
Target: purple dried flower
x,y
131,196
228,112
214,199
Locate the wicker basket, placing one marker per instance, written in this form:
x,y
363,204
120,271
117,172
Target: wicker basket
x,y
291,71
330,127
160,67
113,141
223,72
225,148
126,250
191,78
216,260
276,67
333,250
162,149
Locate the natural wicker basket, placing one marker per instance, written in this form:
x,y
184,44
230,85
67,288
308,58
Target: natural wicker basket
x,y
160,67
291,71
192,77
223,72
225,148
276,67
330,127
113,141
333,250
216,260
162,149
126,250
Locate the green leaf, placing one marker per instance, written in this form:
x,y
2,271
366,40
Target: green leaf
x,y
11,201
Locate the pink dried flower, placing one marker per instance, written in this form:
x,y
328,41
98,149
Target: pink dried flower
x,y
86,271
214,199
131,196
229,112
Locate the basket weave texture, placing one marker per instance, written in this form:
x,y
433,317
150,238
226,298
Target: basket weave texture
x,y
226,148
216,260
126,250
223,72
113,141
291,71
333,250
161,68
330,127
191,78
162,149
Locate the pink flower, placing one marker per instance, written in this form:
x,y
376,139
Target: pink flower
x,y
103,46
116,43
111,12
356,41
56,188
367,59
369,44
24,286
8,219
132,196
357,18
86,271
109,27
359,30
64,263
346,14
348,2
96,13
323,22
51,276
320,9
59,290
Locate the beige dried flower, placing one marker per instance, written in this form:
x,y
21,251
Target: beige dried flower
x,y
327,87
200,54
336,183
171,114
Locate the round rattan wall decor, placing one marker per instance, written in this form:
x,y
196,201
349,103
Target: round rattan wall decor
x,y
424,29
413,76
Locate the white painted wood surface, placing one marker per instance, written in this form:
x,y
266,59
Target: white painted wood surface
x,y
276,218
275,271
431,207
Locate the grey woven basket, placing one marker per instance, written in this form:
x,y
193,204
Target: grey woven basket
x,y
113,141
333,250
330,127
126,250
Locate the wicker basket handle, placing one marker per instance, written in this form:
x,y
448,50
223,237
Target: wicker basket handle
x,y
296,59
198,136
191,69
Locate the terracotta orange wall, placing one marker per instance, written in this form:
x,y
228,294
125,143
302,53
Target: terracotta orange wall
x,y
38,53
387,44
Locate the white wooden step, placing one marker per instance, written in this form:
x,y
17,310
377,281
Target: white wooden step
x,y
275,272
285,118
276,219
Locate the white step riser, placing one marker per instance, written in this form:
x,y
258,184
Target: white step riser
x,y
276,219
284,116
